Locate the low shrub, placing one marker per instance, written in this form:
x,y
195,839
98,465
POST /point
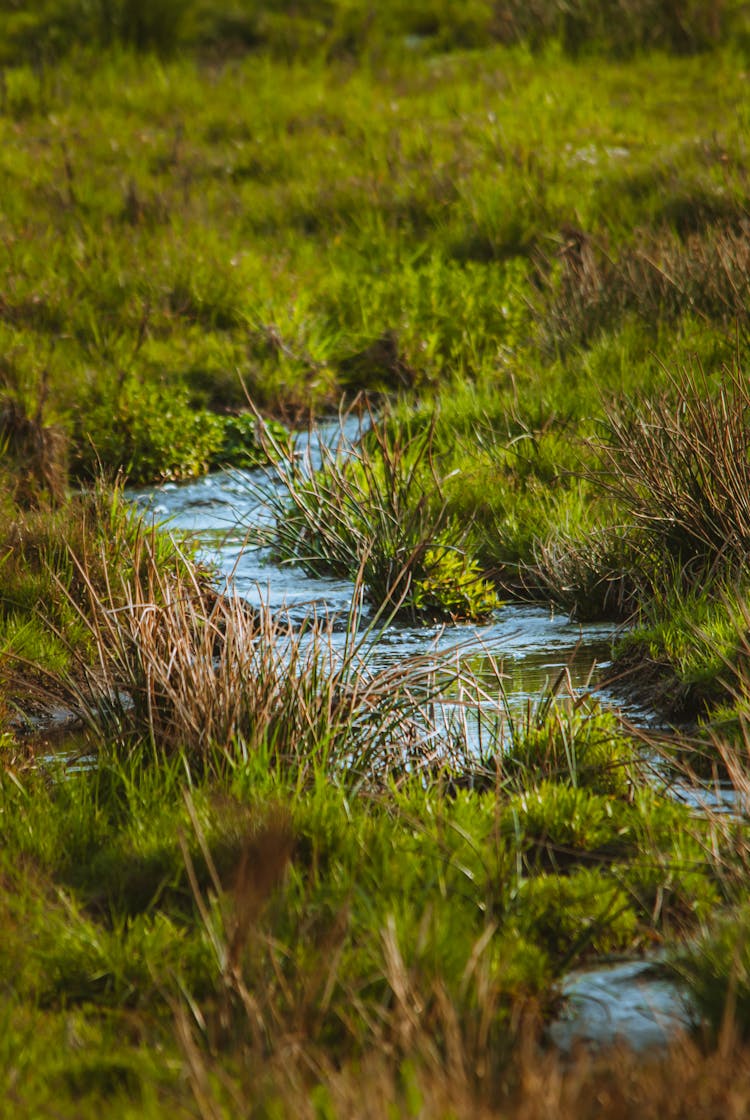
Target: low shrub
x,y
153,434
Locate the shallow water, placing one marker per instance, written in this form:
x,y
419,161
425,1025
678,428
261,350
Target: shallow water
x,y
231,522
627,1001
532,644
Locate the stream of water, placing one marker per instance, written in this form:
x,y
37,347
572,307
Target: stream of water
x,y
229,518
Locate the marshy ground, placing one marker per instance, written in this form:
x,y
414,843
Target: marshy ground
x,y
514,242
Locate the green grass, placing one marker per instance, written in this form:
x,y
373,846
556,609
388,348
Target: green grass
x,y
343,29
219,890
180,239
128,885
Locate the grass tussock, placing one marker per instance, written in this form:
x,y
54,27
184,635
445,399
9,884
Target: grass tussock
x,y
375,507
569,740
675,468
704,273
42,592
679,466
713,964
37,451
168,659
600,575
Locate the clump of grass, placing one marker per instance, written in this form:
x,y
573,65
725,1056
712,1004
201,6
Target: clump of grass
x,y
720,644
679,655
679,465
376,507
705,273
600,575
39,582
169,659
714,965
715,969
37,450
570,740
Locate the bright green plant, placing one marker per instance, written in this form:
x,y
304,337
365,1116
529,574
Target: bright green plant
x,y
452,586
572,741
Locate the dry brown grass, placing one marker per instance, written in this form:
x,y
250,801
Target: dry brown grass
x,y
685,1082
38,452
706,273
170,660
592,577
680,466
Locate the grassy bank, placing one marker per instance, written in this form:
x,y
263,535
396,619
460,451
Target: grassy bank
x,y
276,871
315,228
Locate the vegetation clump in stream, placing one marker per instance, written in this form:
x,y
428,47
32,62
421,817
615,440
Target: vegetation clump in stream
x,y
375,510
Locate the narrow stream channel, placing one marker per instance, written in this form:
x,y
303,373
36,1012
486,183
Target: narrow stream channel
x,y
227,515
228,518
